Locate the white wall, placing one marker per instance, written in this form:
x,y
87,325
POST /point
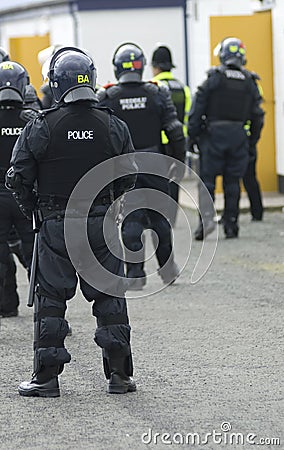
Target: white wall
x,y
60,27
101,32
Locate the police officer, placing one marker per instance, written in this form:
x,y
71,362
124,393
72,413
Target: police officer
x,y
162,66
147,108
51,155
13,118
31,98
221,108
9,295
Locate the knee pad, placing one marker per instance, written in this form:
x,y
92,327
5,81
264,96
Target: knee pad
x,y
50,332
49,342
52,356
114,339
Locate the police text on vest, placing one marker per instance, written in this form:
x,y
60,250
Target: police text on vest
x,y
80,134
11,131
133,103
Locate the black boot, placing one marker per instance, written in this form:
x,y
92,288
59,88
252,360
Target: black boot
x,y
201,232
119,381
43,384
169,272
231,228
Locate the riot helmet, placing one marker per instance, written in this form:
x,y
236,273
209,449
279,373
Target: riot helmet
x,y
13,81
232,52
4,56
72,75
128,61
162,58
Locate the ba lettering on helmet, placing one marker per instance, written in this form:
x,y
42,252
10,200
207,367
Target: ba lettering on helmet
x,y
83,79
72,75
80,134
7,66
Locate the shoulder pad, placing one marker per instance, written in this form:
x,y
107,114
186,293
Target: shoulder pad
x,y
255,76
111,91
101,94
212,71
151,87
154,87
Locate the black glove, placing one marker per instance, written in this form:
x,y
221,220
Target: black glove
x,y
25,198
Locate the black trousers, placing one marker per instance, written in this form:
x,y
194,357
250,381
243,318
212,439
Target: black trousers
x,y
224,150
57,280
251,185
10,215
132,229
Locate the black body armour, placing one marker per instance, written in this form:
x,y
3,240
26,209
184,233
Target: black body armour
x,y
232,99
79,140
11,128
135,104
178,97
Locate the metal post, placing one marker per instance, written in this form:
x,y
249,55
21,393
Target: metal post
x,y
185,16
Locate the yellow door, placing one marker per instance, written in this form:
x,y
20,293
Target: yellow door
x,y
256,33
25,50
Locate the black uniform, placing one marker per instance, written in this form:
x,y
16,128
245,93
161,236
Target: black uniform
x,y
12,121
147,108
10,295
222,106
45,153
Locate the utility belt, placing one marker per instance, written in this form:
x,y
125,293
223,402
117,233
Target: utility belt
x,y
54,207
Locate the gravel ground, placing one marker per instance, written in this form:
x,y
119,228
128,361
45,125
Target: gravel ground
x,y
207,357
